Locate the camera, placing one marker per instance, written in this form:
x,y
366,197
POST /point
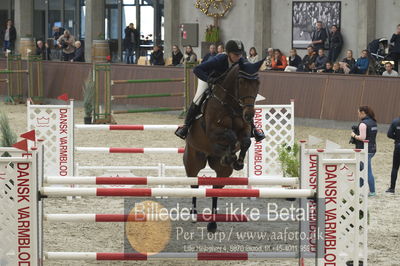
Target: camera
x,y
357,132
64,44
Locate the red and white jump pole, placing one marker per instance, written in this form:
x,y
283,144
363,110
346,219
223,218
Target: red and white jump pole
x,y
129,150
178,192
128,127
141,217
160,256
187,181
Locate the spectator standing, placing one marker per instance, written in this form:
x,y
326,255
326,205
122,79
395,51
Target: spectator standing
x,y
189,56
131,43
66,42
294,62
395,54
253,56
79,55
43,50
157,56
394,133
335,43
212,52
321,60
362,63
176,55
389,71
367,130
319,37
348,63
9,35
309,59
57,32
220,49
278,61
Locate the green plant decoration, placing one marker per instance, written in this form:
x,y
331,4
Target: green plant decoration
x,y
8,136
289,158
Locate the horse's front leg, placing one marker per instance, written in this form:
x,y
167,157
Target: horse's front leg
x,y
244,147
245,143
223,144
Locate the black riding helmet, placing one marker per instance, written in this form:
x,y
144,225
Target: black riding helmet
x,y
234,46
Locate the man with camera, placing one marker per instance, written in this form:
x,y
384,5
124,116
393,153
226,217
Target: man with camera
x,y
367,129
66,42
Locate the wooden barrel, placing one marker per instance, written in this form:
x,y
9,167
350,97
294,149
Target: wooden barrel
x,y
100,51
26,44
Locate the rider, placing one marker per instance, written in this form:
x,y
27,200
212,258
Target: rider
x,y
215,66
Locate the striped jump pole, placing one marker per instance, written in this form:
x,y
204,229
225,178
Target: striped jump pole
x,y
128,127
4,80
129,81
165,256
143,217
178,192
148,110
130,150
153,95
6,71
189,181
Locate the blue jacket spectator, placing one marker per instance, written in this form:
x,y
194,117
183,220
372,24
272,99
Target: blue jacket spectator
x,y
362,63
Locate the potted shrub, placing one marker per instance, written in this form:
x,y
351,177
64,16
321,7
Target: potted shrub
x,y
88,99
289,158
8,136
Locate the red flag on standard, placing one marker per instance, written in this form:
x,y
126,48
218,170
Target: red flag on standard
x,y
22,145
63,97
31,135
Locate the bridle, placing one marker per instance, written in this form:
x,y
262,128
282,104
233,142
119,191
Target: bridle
x,y
240,102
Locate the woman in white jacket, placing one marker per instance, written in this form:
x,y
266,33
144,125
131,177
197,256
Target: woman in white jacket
x,y
253,56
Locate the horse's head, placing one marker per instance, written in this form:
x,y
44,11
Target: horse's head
x,y
247,87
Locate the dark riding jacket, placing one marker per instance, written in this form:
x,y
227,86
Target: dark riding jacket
x,y
394,131
214,66
372,131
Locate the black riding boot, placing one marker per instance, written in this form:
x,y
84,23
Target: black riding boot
x,y
257,133
190,117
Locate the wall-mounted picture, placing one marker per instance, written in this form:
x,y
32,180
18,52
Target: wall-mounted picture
x,y
305,16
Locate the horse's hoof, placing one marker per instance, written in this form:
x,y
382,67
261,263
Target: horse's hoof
x,y
212,227
238,165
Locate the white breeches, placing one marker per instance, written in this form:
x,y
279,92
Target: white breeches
x,y
201,88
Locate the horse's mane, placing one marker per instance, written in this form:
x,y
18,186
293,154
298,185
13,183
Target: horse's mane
x,y
231,77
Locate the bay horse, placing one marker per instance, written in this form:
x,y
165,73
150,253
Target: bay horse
x,y
224,128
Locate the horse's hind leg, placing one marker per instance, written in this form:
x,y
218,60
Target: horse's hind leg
x,y
221,171
193,161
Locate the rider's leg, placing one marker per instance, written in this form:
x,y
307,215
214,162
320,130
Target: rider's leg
x,y
257,133
193,110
